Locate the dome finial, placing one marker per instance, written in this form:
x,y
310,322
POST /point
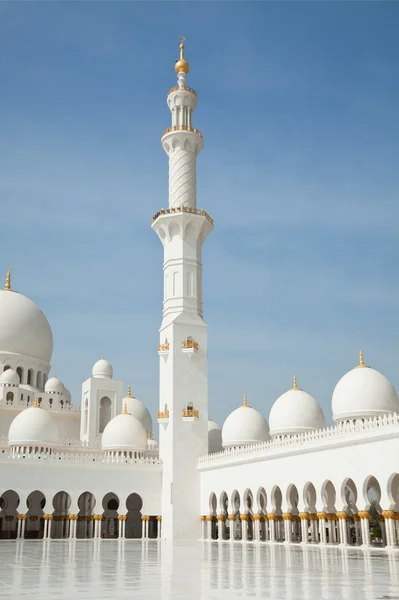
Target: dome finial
x,y
129,391
182,65
361,361
149,435
35,402
245,400
124,412
295,386
8,279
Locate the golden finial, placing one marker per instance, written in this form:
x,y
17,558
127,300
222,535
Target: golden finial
x,y
245,400
361,361
35,402
125,409
129,391
149,435
8,279
181,64
295,386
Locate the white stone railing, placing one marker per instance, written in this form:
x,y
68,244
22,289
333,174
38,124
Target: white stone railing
x,y
311,439
76,443
55,407
77,457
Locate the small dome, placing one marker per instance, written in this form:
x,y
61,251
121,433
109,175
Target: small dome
x,y
103,369
24,329
363,393
9,377
137,409
33,427
54,386
214,437
295,412
124,432
182,65
244,426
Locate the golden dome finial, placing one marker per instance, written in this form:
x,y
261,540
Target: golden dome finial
x,y
124,412
149,435
181,64
8,279
245,400
295,386
35,402
129,391
361,364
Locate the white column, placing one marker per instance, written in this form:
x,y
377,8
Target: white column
x,y
358,530
143,527
383,532
159,532
244,527
343,528
272,527
304,527
364,520
203,527
221,527
390,532
256,526
209,521
232,527
322,527
19,526
287,527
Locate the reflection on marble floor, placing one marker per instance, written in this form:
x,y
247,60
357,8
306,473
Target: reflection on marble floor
x,y
151,570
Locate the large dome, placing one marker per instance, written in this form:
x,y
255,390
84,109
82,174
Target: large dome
x,y
295,412
363,393
23,327
214,437
33,427
124,432
137,409
244,426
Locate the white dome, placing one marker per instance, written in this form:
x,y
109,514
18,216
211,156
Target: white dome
x,y
214,437
295,412
124,432
244,426
54,385
103,369
137,409
33,427
363,393
24,329
9,377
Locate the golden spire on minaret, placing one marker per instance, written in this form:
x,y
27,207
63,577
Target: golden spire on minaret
x,y
181,64
8,279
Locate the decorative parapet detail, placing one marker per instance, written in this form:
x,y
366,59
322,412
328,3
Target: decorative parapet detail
x,y
182,128
184,88
163,414
189,345
342,432
190,413
179,209
77,457
163,347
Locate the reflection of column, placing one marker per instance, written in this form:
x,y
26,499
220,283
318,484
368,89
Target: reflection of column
x,y
304,527
389,517
159,521
364,521
232,527
271,519
343,519
244,527
203,526
23,525
287,527
209,522
322,526
221,526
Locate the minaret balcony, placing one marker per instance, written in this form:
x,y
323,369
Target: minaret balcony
x,y
183,88
163,350
182,128
189,414
163,416
180,209
189,346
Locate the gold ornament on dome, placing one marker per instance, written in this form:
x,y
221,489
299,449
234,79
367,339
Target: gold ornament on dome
x,y
8,280
361,364
182,65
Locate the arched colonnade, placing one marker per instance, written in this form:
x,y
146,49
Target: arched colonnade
x,y
344,514
51,517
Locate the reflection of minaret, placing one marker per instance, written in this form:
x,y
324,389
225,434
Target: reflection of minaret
x,y
182,229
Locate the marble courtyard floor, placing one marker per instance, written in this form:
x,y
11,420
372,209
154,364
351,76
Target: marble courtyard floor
x,y
159,570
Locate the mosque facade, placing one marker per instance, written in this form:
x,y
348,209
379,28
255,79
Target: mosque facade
x,y
93,470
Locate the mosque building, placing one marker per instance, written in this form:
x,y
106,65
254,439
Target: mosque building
x,y
93,470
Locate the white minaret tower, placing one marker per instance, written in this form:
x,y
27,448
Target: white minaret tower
x,y
183,398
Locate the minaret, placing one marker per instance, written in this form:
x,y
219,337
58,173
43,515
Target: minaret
x,y
183,398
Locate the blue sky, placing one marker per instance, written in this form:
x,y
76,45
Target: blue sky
x,y
298,105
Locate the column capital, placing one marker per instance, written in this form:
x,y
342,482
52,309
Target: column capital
x,y
321,516
209,517
231,517
257,517
287,516
304,516
342,515
364,514
221,518
122,517
159,518
21,517
243,517
203,517
271,517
